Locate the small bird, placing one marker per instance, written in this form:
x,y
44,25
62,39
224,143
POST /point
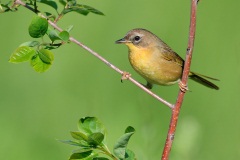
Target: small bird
x,y
156,62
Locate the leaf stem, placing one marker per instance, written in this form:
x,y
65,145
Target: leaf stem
x,y
58,18
35,6
107,152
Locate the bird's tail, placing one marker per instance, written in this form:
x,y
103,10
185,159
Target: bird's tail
x,y
203,80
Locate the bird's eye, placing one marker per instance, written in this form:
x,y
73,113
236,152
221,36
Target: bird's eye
x,y
137,38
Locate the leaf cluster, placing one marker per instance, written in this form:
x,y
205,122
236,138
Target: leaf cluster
x,y
91,142
39,52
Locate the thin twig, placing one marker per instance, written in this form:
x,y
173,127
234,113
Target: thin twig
x,y
177,107
101,58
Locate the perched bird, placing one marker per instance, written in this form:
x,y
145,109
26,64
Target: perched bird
x,y
155,61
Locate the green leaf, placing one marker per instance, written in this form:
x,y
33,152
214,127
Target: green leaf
x,y
81,155
95,139
30,44
38,65
100,158
79,136
50,16
22,54
50,47
84,155
76,9
121,145
63,2
50,3
42,61
129,155
70,142
129,129
89,125
82,9
71,2
38,27
91,9
46,56
53,35
64,35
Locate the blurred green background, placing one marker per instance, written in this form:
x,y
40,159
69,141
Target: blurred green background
x,y
36,109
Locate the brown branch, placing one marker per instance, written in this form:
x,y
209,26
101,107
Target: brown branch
x,y
101,58
178,104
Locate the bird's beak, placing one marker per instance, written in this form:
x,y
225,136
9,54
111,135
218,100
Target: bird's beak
x,y
123,40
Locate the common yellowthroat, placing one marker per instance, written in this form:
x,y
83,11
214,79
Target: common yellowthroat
x,y
155,61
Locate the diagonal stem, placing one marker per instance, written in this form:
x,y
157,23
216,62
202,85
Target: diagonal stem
x,y
186,70
72,39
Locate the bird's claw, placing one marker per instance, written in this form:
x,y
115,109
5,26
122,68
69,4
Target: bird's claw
x,y
183,87
125,75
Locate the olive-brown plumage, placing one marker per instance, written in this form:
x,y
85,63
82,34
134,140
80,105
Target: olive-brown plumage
x,y
155,61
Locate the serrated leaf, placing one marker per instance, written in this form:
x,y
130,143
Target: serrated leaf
x,y
95,138
46,56
38,65
64,35
38,27
50,3
89,125
79,136
121,145
22,54
30,44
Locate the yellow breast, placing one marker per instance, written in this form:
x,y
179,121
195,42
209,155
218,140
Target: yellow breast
x,y
149,63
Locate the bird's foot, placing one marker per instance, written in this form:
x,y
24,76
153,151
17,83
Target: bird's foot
x,y
148,85
125,75
183,87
